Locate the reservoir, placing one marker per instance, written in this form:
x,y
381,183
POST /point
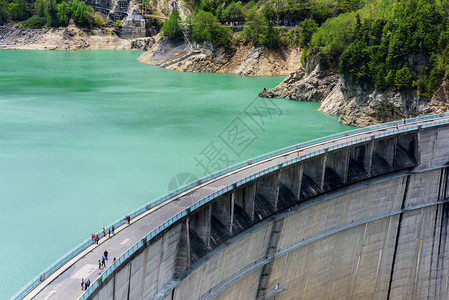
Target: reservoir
x,y
88,136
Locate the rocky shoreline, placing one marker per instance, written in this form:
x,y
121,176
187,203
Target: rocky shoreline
x,y
240,60
355,104
67,38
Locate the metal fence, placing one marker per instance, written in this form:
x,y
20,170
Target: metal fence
x,y
37,280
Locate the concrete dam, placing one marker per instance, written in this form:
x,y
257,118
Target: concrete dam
x,y
362,214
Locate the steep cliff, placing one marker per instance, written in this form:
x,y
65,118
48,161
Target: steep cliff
x,y
355,104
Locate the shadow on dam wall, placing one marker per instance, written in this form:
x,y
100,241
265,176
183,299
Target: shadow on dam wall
x,y
365,221
274,193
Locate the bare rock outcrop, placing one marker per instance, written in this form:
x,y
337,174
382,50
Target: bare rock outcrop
x,y
68,38
363,105
440,100
304,86
355,104
241,60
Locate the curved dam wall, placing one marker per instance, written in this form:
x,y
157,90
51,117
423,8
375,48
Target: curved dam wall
x,y
366,221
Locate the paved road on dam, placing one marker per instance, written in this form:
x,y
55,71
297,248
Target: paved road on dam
x,y
65,282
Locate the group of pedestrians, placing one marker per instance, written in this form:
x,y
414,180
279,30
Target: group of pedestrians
x,y
102,261
104,258
111,231
96,237
85,284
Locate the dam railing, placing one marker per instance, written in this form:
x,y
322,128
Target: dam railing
x,y
78,249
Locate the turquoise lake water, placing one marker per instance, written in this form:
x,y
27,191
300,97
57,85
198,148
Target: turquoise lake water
x,y
88,136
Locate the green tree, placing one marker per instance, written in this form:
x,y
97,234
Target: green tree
x,y
255,25
272,40
4,13
94,19
354,62
80,15
40,7
171,28
64,13
51,11
17,10
308,28
234,11
403,79
270,14
205,27
201,27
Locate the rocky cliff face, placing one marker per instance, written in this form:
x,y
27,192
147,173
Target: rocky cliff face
x,y
304,86
355,104
243,60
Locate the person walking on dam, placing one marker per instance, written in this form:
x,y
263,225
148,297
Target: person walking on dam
x,y
113,229
104,232
82,283
99,264
103,262
106,254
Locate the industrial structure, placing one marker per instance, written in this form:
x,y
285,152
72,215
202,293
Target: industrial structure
x,y
361,214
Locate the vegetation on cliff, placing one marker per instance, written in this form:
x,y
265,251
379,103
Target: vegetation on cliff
x,y
392,44
53,13
389,44
172,27
269,24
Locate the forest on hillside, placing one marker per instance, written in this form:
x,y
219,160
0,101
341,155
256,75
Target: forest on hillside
x,y
50,13
391,44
